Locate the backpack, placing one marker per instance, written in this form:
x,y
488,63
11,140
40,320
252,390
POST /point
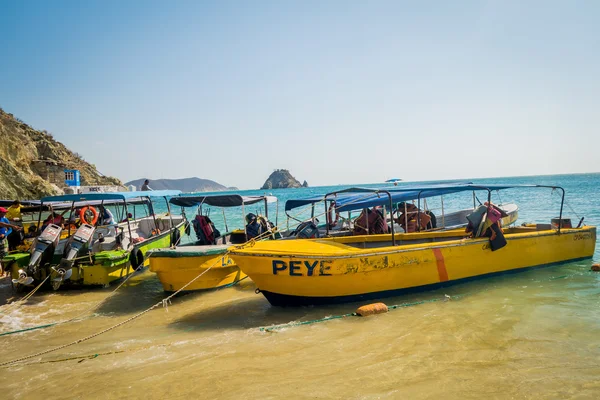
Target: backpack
x,y
306,230
205,230
253,229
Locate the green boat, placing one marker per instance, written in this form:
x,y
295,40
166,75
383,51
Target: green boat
x,y
93,246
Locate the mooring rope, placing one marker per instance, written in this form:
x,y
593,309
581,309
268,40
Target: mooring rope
x,y
262,329
80,316
354,314
136,316
164,302
23,299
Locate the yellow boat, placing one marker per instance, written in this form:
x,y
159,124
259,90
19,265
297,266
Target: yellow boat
x,y
178,266
206,259
353,268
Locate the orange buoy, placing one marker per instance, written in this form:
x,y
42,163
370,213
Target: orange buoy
x,y
596,267
371,309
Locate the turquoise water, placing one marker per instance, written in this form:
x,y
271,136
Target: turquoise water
x,y
531,335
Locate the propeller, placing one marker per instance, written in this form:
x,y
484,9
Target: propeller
x,y
23,278
62,275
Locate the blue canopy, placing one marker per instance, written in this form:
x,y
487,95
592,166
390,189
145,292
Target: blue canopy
x,y
393,180
295,203
364,200
359,198
350,195
124,196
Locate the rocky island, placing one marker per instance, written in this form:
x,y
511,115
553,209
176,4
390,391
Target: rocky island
x,y
281,179
32,162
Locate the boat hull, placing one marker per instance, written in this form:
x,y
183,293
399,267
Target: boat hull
x,y
177,267
330,271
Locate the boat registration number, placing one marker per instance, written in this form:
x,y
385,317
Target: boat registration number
x,y
302,268
582,236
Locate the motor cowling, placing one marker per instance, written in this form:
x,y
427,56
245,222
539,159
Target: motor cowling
x,y
78,245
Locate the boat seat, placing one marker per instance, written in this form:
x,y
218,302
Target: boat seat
x,y
145,227
164,223
109,243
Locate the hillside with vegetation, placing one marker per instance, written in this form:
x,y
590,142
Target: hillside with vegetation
x,y
32,161
185,185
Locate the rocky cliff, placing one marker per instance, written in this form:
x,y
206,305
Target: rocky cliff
x,y
32,162
280,179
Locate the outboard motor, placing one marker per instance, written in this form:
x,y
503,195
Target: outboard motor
x,y
78,244
306,230
41,253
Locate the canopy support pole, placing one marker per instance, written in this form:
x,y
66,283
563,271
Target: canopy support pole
x,y
225,219
443,214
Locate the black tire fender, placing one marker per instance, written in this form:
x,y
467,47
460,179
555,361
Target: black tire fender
x,y
136,258
175,237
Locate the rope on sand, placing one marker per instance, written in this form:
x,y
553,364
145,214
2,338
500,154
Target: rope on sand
x,y
164,302
136,316
356,314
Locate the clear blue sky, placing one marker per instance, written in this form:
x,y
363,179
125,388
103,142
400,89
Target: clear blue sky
x,y
336,91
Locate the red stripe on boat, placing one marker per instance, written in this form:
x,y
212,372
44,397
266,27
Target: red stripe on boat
x,y
441,265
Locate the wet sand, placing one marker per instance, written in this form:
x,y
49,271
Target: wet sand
x,y
527,335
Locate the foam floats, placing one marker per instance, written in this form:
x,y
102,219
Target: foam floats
x,y
371,309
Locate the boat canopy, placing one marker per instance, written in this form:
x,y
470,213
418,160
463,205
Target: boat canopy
x,y
360,198
351,195
221,200
380,198
122,196
24,203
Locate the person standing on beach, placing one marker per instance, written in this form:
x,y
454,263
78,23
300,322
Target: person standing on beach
x,y
145,187
13,214
5,230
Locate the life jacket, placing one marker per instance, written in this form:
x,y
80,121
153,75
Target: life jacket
x,y
380,225
253,229
376,223
475,219
432,224
493,214
360,223
266,226
56,220
204,229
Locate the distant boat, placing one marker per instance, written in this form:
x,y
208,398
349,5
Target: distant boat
x,y
393,180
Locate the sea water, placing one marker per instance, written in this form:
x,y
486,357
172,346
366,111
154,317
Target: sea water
x,y
528,335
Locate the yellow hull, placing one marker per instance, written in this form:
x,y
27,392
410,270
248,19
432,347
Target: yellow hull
x,y
318,271
177,267
103,275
